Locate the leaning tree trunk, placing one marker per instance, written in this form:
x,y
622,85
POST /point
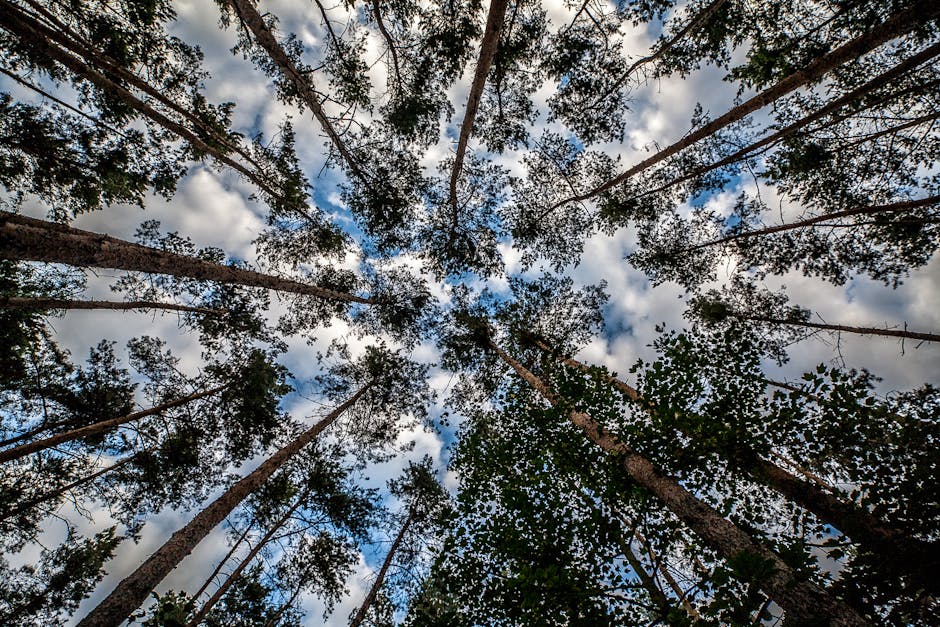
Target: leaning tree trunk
x,y
132,591
42,304
775,138
494,26
242,565
29,239
908,205
657,596
910,335
254,23
100,427
802,600
898,552
920,12
218,567
670,580
380,577
58,492
41,37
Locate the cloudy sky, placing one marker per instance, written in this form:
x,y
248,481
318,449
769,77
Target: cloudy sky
x,y
213,209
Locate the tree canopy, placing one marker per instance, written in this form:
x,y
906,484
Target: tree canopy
x,y
517,312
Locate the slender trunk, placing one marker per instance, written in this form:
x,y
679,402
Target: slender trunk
x,y
389,42
242,565
40,37
899,552
17,302
253,22
918,13
488,45
58,492
98,428
223,562
800,599
911,335
907,205
670,580
876,83
29,239
657,596
380,577
133,589
280,611
695,22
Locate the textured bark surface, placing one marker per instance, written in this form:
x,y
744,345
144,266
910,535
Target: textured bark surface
x,y
802,600
380,577
29,239
132,591
918,13
100,427
488,45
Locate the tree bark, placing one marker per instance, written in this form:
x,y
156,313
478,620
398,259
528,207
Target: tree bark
x,y
242,565
907,205
18,302
380,577
253,21
657,596
802,600
132,591
910,335
900,23
29,239
899,553
488,45
100,427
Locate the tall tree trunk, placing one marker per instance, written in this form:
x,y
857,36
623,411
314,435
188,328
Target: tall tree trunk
x,y
22,302
657,596
242,565
133,589
218,567
488,45
899,553
703,16
802,600
380,577
41,37
29,239
876,83
920,12
911,335
284,606
58,492
670,580
389,42
907,205
100,427
253,22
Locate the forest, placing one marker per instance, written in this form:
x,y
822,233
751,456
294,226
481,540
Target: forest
x,y
469,313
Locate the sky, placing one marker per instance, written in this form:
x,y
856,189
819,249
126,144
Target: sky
x,y
213,209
